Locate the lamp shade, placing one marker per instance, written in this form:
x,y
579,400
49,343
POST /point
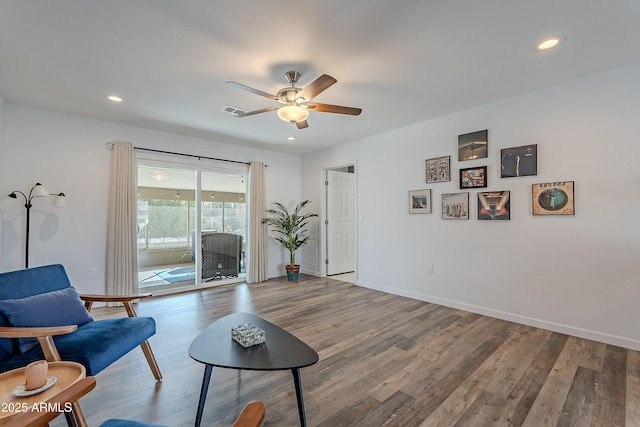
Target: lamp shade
x,y
61,200
39,190
293,113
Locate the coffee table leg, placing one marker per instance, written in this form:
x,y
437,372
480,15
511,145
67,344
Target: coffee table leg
x,y
203,392
298,383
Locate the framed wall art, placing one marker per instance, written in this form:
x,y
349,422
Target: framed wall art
x,y
473,145
455,206
419,201
438,169
519,161
553,198
494,205
473,177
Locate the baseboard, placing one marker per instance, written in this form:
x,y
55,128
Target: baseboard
x,y
310,272
512,317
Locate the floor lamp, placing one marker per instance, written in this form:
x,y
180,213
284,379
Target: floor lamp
x,y
37,190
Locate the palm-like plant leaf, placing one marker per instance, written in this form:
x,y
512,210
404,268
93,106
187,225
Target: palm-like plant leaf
x,y
290,227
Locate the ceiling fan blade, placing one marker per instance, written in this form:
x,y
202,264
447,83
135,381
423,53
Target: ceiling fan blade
x,y
328,108
303,124
254,91
254,112
314,88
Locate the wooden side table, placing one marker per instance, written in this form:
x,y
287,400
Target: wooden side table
x,y
66,373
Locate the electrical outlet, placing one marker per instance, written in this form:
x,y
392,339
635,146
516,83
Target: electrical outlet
x,y
430,269
93,273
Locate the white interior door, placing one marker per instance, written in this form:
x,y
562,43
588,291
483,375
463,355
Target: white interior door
x,y
341,222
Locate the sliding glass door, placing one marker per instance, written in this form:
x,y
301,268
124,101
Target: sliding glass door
x,y
191,226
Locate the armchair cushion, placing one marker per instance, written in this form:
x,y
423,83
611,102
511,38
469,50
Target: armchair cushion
x,y
6,344
33,281
95,344
55,308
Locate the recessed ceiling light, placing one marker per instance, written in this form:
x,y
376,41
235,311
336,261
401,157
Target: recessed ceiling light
x,y
548,43
292,138
114,98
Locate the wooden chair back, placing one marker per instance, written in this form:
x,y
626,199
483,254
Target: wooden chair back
x,y
252,415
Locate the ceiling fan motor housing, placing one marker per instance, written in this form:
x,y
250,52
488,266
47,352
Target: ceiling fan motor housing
x,y
290,95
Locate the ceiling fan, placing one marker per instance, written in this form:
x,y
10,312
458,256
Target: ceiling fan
x,y
296,102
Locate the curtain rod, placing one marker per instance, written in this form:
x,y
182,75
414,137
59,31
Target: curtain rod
x,y
189,155
110,147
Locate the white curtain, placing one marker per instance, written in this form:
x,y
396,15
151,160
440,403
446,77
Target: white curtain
x,y
122,258
257,262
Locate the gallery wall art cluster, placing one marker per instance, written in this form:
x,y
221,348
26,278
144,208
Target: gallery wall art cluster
x,y
549,198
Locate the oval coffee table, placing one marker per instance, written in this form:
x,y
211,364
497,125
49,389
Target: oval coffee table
x,y
280,351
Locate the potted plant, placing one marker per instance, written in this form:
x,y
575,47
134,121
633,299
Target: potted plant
x,y
291,231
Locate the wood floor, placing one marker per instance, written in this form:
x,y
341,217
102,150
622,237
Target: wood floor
x,y
385,360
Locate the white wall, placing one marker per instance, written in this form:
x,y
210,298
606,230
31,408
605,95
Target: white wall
x,y
68,153
575,274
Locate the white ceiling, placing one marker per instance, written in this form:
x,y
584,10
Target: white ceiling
x,y
401,61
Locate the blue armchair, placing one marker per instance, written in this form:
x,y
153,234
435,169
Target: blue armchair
x,y
39,306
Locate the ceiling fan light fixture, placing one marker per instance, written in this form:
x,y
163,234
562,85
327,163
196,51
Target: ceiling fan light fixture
x,y
160,175
293,113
